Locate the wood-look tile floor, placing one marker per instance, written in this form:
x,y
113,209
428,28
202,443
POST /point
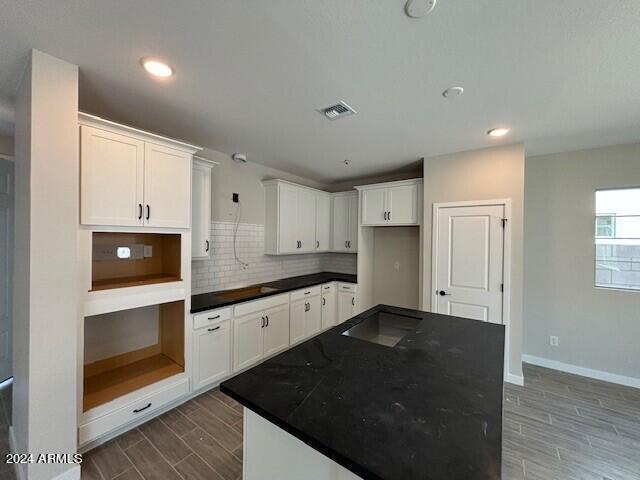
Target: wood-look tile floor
x,y
557,427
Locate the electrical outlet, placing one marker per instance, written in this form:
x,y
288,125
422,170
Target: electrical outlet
x,y
396,266
553,341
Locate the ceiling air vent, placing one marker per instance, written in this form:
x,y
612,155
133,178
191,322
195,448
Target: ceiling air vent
x,y
336,111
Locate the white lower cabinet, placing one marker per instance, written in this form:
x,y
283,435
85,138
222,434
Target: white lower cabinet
x,y
347,301
306,314
211,354
329,305
260,334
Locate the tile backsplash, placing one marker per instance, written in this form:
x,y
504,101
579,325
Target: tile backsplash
x,y
222,271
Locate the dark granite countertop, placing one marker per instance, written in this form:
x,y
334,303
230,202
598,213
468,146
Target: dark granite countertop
x,y
428,408
209,301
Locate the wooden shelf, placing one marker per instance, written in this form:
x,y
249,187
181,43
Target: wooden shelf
x,y
133,281
111,384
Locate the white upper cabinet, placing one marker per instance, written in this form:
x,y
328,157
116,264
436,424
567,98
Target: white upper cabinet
x,y
201,208
393,203
290,220
345,222
323,222
167,187
111,177
133,178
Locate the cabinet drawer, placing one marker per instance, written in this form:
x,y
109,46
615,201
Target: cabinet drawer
x,y
347,287
131,413
209,318
328,287
259,305
305,292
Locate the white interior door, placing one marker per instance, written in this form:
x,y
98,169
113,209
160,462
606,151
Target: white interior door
x,y
167,187
6,267
469,256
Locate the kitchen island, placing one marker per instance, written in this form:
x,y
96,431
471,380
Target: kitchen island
x,y
392,393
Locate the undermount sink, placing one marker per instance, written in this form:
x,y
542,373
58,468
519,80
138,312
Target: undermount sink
x,y
246,292
383,328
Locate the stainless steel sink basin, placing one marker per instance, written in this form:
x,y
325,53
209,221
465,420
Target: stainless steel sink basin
x,y
383,328
246,292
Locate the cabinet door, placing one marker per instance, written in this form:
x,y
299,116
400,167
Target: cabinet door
x,y
313,319
111,178
276,331
247,341
306,220
323,222
354,225
329,309
201,212
288,219
346,306
297,324
340,223
402,204
212,354
374,206
167,187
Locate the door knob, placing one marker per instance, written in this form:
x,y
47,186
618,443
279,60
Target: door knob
x,y
442,293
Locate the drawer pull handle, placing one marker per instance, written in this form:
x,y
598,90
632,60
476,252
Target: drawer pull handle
x,y
307,293
138,410
213,329
213,318
327,288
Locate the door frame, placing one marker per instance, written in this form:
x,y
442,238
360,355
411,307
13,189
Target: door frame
x,y
506,264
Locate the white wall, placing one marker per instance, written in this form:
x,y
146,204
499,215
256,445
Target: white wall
x,y
391,286
486,174
598,328
46,293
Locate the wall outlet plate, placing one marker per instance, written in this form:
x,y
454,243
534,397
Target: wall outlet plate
x,y
554,341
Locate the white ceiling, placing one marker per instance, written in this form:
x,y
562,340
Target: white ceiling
x,y
251,74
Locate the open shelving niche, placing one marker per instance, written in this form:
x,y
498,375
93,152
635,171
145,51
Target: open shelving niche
x,y
120,260
127,350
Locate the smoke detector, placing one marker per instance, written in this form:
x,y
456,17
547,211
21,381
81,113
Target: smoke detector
x,y
419,8
339,110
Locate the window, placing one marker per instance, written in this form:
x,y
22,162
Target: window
x,y
617,238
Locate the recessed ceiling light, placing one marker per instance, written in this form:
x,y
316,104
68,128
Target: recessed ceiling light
x,y
156,67
419,8
453,92
498,132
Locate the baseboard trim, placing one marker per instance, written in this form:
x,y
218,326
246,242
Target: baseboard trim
x,y
19,468
515,379
582,371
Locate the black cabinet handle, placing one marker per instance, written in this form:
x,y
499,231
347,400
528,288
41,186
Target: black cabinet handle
x,y
353,301
307,293
317,243
267,317
213,329
138,410
261,322
148,212
206,242
139,211
385,215
324,301
389,216
349,244
213,318
345,244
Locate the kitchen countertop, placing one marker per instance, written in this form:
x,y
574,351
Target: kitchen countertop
x,y
209,301
428,408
